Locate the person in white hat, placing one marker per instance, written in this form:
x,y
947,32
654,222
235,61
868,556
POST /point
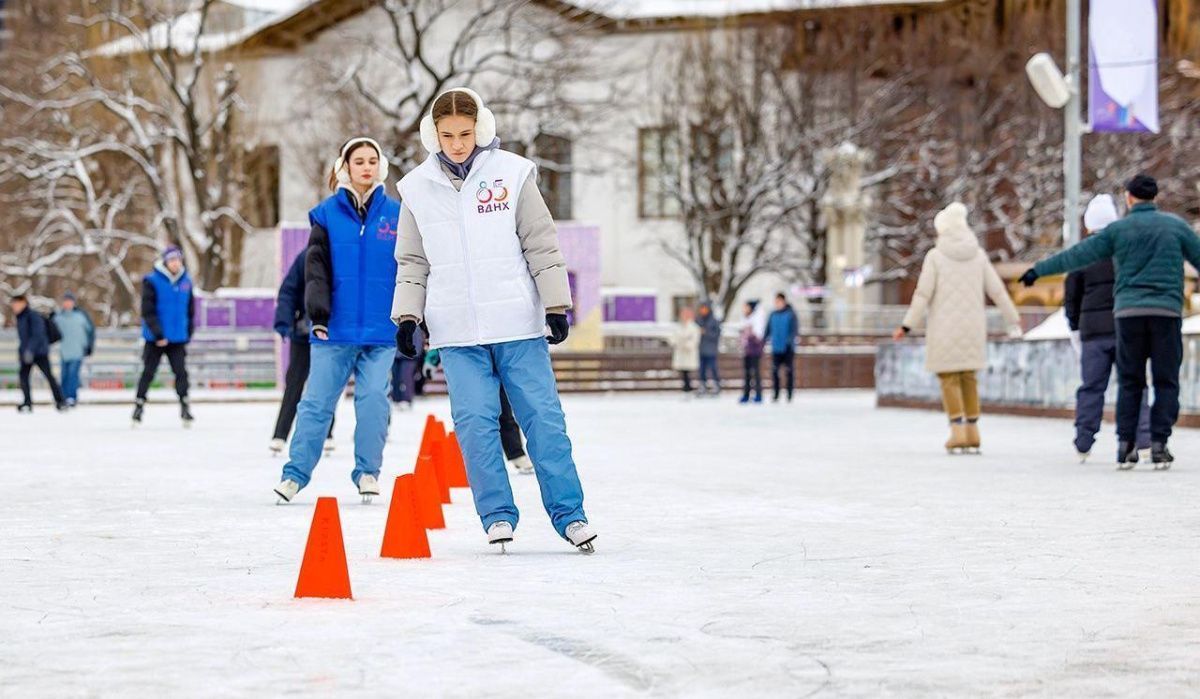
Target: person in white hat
x,y
479,264
1088,303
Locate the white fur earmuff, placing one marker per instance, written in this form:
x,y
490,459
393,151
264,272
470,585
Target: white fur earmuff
x,y
485,123
343,172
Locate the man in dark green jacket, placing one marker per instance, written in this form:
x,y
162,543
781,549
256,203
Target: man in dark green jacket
x,y
1148,248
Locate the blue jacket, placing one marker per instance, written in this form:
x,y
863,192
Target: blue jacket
x,y
290,319
33,340
78,334
168,306
350,268
782,329
710,333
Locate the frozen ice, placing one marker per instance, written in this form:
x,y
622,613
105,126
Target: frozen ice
x,y
820,548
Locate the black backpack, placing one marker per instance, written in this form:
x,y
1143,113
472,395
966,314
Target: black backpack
x,y
52,331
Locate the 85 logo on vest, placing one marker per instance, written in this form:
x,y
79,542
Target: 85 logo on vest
x,y
494,198
385,230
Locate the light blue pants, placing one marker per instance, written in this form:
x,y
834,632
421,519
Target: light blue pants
x,y
331,368
70,378
474,376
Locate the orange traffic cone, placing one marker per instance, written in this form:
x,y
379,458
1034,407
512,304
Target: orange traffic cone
x,y
323,572
456,468
403,535
429,435
429,501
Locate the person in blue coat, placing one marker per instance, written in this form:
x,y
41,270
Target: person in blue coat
x,y
782,329
168,321
292,324
78,339
33,349
349,275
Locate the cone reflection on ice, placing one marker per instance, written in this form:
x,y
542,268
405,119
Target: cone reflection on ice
x,y
403,535
324,573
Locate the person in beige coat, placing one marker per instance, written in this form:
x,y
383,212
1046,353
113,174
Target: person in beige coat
x,y
686,343
956,276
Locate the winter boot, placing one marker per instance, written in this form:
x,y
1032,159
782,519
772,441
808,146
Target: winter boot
x,y
1127,455
973,439
957,443
185,412
1160,457
138,408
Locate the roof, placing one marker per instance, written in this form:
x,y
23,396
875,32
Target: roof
x,y
291,23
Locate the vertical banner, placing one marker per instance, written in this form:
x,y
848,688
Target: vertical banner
x,y
1123,65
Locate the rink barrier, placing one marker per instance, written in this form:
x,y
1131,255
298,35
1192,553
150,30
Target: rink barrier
x,y
1031,378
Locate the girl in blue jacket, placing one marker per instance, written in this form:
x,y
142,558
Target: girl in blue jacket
x,y
349,275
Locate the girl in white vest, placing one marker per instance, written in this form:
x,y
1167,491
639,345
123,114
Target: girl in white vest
x,y
478,262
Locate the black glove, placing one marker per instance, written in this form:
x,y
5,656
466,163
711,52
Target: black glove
x,y
559,327
1030,277
404,338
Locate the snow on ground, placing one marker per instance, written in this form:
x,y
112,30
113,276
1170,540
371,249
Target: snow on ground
x,y
823,548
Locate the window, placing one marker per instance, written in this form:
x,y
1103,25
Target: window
x,y
553,157
658,173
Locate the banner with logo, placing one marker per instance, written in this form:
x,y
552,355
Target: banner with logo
x,y
1123,65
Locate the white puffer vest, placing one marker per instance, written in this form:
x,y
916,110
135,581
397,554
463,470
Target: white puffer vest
x,y
479,290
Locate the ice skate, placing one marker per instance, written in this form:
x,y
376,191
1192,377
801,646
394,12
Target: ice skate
x,y
1127,456
329,445
286,490
138,409
957,443
1082,455
500,533
185,413
522,464
973,439
368,488
25,408
276,446
581,535
1160,456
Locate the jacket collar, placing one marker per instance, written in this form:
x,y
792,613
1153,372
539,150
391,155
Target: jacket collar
x,y
162,268
363,203
431,167
1144,206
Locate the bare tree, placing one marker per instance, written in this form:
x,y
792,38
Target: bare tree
x,y
385,81
149,105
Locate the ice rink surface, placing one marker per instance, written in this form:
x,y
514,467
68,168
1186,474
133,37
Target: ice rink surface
x,y
824,548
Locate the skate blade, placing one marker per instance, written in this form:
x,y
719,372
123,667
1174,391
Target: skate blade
x,y
1163,467
1125,466
367,497
586,547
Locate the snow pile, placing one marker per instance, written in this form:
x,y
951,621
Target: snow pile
x,y
666,9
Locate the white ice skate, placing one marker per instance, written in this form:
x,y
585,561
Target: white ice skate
x,y
523,465
329,445
286,490
500,533
581,535
1082,455
276,446
368,487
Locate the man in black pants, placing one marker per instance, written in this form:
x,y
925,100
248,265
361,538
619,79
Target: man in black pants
x,y
292,323
1148,248
33,349
782,329
168,310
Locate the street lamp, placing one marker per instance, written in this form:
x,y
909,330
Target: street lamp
x,y
1063,92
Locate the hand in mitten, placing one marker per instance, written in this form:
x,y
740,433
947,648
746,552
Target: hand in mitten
x,y
559,327
404,338
1030,277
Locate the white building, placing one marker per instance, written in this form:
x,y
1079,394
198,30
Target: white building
x,y
609,182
